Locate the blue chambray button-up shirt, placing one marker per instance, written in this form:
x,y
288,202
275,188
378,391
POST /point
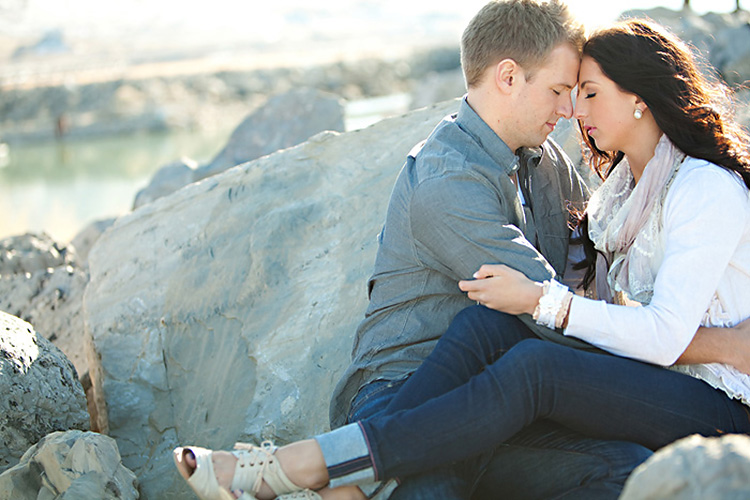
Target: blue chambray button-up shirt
x,y
453,208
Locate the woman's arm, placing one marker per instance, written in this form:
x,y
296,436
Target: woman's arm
x,y
502,288
700,241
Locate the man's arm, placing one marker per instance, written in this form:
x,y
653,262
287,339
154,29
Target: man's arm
x,y
730,346
459,222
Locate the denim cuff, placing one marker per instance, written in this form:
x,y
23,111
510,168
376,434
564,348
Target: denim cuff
x,y
347,455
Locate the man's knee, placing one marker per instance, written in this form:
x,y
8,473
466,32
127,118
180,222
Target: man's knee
x,y
625,457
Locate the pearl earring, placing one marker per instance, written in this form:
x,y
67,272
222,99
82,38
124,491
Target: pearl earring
x,y
638,114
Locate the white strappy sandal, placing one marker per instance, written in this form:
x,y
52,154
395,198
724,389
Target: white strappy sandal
x,y
255,464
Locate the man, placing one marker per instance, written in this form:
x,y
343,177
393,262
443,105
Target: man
x,y
481,190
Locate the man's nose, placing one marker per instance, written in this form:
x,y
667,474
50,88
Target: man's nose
x,y
565,108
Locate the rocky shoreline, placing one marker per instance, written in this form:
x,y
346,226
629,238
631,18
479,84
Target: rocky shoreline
x,y
222,308
199,100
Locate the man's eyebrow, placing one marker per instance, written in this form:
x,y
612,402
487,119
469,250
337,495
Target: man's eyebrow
x,y
566,86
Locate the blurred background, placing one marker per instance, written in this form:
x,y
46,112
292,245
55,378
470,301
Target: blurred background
x,y
96,96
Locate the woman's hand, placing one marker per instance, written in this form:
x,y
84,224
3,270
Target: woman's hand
x,y
504,289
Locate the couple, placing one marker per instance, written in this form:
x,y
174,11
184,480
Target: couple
x,y
523,386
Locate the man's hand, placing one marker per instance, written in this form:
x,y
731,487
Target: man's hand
x,y
504,289
741,357
730,346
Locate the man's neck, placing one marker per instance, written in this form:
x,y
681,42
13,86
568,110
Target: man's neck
x,y
484,104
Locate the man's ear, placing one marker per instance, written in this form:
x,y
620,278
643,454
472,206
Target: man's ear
x,y
507,74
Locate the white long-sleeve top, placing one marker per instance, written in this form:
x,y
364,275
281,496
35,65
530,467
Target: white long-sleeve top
x,y
702,278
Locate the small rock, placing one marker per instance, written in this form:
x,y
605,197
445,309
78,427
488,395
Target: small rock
x,y
40,390
694,468
40,282
72,465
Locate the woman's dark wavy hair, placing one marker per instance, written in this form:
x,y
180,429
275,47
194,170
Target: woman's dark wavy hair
x,y
694,110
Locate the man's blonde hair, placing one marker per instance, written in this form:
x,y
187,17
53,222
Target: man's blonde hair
x,y
523,30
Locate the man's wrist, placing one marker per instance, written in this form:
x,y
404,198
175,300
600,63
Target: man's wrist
x,y
536,290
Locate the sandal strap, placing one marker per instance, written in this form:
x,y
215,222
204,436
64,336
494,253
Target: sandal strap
x,y
256,464
301,495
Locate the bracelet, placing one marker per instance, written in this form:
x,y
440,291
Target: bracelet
x,y
550,303
564,309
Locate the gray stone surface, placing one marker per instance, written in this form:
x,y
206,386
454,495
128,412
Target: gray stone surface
x,y
694,468
437,87
226,310
167,179
284,121
72,465
723,39
42,283
39,387
86,237
30,252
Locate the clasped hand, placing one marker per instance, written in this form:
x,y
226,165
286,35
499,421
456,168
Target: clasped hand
x,y
504,289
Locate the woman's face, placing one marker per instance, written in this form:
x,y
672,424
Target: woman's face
x,y
605,111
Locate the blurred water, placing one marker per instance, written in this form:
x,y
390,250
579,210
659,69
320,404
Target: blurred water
x,y
59,187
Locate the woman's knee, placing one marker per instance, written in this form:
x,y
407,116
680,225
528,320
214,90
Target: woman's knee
x,y
535,356
484,328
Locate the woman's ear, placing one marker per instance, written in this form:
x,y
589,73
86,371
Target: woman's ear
x,y
507,73
640,104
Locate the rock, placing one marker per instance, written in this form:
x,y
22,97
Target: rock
x,y
694,468
30,252
722,39
284,121
226,311
52,42
70,465
40,282
438,87
40,389
167,179
86,237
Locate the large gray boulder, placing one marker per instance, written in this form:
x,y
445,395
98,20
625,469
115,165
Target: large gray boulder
x,y
285,120
694,468
39,387
72,465
86,237
226,311
167,179
42,283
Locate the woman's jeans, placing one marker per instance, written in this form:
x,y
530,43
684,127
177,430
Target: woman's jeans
x,y
488,378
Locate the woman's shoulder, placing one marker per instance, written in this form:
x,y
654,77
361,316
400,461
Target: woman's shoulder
x,y
706,177
702,187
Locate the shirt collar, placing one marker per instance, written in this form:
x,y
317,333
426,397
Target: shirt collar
x,y
490,142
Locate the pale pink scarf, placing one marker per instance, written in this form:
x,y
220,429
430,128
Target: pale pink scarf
x,y
620,212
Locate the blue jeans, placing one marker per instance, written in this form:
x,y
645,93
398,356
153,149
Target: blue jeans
x,y
544,460
515,380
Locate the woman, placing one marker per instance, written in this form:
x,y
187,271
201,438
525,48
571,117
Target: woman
x,y
672,227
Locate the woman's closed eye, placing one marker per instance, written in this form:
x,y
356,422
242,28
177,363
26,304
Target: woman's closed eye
x,y
589,95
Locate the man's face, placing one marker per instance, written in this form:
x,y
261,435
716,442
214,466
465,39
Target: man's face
x,y
544,98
